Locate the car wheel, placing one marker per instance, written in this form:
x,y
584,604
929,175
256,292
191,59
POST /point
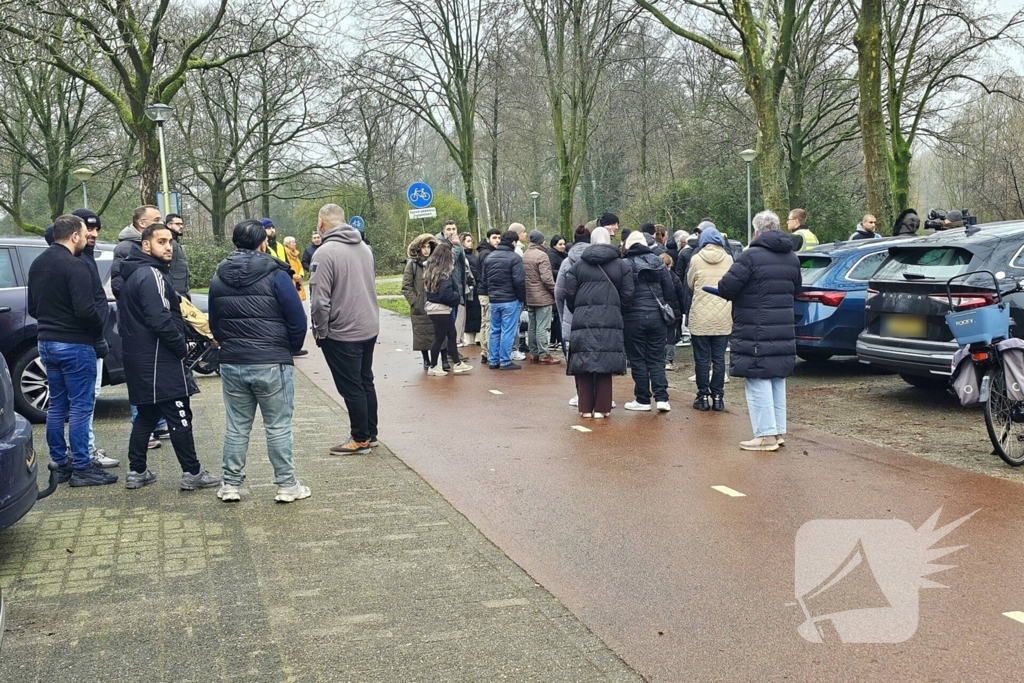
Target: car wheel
x,y
31,388
922,382
814,356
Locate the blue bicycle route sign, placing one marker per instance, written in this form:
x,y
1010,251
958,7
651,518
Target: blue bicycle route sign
x,y
358,223
420,195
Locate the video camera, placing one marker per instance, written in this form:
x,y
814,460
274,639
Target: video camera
x,y
937,217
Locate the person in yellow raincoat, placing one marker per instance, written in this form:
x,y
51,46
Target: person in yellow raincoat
x,y
291,252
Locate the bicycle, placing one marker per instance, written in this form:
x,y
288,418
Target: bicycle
x,y
420,193
983,331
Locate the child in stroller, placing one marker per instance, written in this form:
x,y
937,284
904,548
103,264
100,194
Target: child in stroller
x,y
203,354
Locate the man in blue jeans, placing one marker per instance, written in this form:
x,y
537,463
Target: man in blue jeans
x,y
60,298
256,315
505,282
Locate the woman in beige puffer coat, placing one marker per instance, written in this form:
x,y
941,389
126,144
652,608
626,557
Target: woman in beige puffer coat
x,y
710,318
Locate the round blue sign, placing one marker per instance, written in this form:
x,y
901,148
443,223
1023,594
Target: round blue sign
x,y
358,223
420,195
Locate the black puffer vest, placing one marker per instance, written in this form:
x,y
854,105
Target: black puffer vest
x,y
251,326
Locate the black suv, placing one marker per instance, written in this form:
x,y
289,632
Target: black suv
x,y
18,328
905,326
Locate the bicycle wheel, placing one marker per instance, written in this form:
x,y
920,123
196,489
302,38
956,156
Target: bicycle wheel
x,y
1004,418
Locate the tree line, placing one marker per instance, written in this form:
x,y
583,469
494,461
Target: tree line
x,y
639,107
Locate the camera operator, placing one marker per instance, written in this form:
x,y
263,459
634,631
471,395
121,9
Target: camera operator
x,y
953,219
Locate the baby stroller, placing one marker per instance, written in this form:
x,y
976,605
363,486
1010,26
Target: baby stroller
x,y
203,354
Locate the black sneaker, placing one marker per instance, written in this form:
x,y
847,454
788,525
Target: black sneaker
x,y
701,403
512,366
717,403
493,367
92,476
300,354
64,472
446,366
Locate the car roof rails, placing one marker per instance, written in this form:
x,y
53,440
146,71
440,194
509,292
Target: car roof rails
x,y
972,229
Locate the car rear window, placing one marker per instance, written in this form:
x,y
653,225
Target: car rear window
x,y
866,266
812,268
936,263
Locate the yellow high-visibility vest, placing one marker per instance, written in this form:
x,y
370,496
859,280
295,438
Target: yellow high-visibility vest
x,y
810,241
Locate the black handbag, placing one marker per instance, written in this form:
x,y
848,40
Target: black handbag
x,y
668,316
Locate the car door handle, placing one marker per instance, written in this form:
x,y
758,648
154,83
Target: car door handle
x,y
5,309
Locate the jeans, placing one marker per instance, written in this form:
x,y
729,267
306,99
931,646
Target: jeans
x,y
540,330
766,401
351,365
645,348
272,388
178,414
709,359
485,325
444,331
71,374
96,395
504,332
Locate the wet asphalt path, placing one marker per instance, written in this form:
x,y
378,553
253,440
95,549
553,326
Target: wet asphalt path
x,y
685,582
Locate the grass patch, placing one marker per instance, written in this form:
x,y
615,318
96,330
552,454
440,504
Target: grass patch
x,y
400,306
389,288
199,290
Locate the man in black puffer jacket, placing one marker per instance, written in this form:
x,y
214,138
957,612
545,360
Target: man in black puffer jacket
x,y
645,329
154,350
761,285
256,315
504,280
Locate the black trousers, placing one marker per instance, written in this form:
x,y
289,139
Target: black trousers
x,y
351,365
709,359
444,329
645,347
178,414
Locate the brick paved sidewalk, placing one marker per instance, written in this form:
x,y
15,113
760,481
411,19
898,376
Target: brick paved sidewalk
x,y
374,578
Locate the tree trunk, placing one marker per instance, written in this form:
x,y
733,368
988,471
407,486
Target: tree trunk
x,y
900,170
468,183
149,165
496,211
218,210
868,40
769,150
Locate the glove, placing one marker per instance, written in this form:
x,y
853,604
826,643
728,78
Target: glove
x,y
102,348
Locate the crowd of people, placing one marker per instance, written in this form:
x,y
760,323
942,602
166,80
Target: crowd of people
x,y
255,314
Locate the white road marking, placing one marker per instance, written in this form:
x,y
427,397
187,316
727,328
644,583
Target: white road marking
x,y
1016,616
398,350
581,428
729,492
496,392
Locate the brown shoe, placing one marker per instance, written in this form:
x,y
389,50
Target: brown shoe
x,y
548,360
351,447
532,358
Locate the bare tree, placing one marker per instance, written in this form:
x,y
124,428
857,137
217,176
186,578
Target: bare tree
x,y
868,39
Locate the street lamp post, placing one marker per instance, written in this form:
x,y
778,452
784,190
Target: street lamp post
x,y
160,112
748,156
535,196
82,175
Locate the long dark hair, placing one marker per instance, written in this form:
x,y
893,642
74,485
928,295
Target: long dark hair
x,y
440,265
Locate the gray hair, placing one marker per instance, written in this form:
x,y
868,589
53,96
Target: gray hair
x,y
332,215
765,221
289,240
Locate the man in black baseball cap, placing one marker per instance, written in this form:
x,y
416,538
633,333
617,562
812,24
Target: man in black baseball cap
x,y
88,255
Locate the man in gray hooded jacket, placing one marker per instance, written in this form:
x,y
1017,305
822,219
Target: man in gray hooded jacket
x,y
129,240
346,322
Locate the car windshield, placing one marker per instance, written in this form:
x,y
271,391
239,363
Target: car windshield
x,y
812,268
936,263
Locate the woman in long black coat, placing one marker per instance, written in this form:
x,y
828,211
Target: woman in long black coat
x,y
761,285
556,254
473,317
596,288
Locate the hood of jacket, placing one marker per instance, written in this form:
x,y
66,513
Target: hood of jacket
x,y
599,254
140,259
641,258
775,240
484,249
344,233
244,267
417,244
711,253
129,233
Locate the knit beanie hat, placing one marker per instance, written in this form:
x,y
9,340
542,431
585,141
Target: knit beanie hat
x,y
635,238
267,223
90,218
536,237
600,236
607,219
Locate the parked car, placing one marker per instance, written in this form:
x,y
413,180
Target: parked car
x,y
905,326
829,307
18,328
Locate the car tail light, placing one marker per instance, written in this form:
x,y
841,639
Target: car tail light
x,y
827,298
967,301
980,356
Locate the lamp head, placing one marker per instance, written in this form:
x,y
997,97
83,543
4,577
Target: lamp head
x,y
159,112
83,174
748,155
534,195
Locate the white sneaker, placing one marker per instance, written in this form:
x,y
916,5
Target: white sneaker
x,y
586,415
518,355
462,367
288,494
663,407
228,493
574,401
599,416
437,372
614,405
727,378
692,378
636,405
